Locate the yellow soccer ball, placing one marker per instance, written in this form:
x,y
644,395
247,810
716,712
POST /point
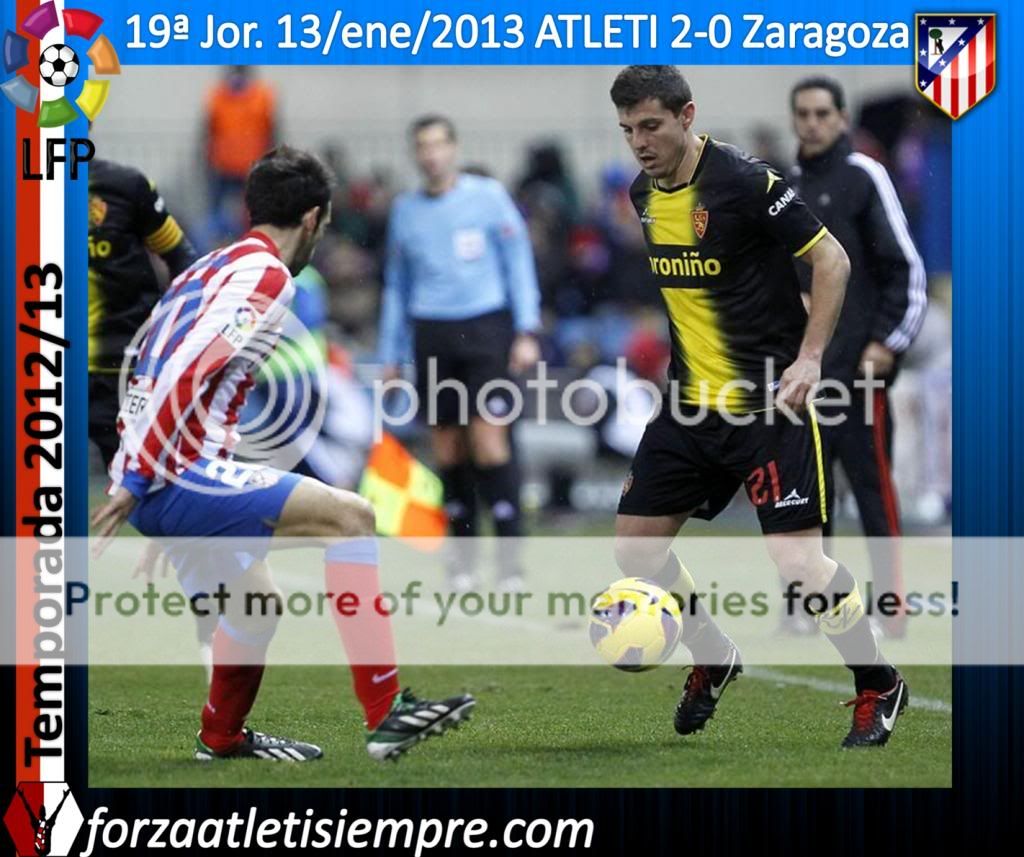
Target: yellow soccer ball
x,y
635,624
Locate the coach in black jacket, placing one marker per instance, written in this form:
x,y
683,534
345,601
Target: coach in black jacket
x,y
885,305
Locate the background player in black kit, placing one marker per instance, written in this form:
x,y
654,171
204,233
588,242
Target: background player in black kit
x,y
127,220
721,230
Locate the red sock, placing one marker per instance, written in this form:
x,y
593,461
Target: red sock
x,y
237,672
351,569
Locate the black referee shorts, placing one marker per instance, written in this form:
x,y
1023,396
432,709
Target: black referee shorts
x,y
698,467
470,352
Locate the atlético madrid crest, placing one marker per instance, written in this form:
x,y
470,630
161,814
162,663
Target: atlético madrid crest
x,y
956,59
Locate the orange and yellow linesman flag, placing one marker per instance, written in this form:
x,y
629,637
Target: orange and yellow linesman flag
x,y
406,495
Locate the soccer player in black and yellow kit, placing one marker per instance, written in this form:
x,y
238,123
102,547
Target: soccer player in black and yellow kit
x,y
127,218
722,229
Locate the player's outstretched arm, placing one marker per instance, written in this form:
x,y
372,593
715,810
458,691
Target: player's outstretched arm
x,y
831,270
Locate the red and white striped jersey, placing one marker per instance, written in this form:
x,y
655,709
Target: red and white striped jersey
x,y
217,321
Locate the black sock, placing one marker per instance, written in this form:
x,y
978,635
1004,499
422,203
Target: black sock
x,y
705,640
460,499
461,507
842,619
499,486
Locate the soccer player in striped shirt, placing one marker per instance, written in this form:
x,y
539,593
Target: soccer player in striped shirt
x,y
174,476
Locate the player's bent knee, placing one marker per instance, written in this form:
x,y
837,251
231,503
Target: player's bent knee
x,y
261,611
360,516
254,613
789,559
255,603
246,634
639,557
346,515
799,560
318,511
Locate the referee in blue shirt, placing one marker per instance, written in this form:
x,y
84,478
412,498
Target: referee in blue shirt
x,y
461,299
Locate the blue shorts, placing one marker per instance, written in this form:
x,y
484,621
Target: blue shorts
x,y
220,514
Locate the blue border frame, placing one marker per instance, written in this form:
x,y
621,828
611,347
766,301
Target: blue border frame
x,y
987,189
988,457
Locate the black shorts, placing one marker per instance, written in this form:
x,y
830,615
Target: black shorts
x,y
471,352
697,468
103,407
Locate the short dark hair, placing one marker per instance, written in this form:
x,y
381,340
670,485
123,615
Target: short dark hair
x,y
428,121
286,183
637,83
819,82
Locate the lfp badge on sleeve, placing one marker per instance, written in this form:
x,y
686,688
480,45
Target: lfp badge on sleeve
x,y
956,59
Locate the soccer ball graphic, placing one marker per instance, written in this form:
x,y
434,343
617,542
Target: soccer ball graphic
x,y
58,65
635,624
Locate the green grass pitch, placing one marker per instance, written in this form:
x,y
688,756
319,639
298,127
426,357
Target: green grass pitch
x,y
533,727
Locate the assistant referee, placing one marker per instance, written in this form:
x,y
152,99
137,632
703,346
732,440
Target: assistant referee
x,y
461,297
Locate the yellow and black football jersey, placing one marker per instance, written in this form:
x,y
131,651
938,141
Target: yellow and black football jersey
x,y
721,251
127,217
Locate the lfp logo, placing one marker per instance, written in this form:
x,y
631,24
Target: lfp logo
x,y
59,66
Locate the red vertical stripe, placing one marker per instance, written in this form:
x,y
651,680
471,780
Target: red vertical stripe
x,y
194,431
937,96
990,57
889,502
954,86
972,77
26,481
23,832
